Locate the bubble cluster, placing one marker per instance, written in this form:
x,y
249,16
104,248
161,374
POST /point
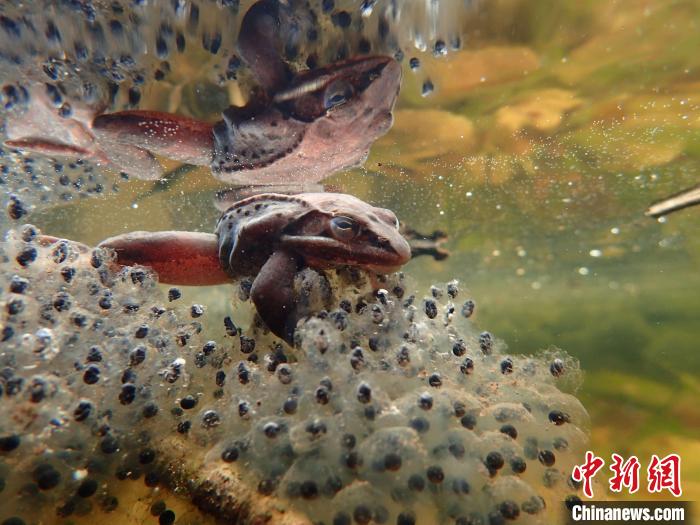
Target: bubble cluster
x,y
390,408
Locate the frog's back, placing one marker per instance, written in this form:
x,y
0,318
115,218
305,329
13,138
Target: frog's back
x,y
247,232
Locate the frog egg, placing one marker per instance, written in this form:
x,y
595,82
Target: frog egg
x,y
427,88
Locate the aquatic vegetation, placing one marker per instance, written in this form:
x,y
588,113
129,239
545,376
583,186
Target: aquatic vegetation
x,y
391,407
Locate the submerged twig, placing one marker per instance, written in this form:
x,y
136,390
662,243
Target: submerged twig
x,y
678,201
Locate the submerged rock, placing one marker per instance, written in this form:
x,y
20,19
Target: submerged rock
x,y
391,407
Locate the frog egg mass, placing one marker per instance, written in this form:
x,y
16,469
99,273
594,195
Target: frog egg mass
x,y
390,408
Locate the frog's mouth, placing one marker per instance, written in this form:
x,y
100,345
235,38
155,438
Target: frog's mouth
x,y
369,252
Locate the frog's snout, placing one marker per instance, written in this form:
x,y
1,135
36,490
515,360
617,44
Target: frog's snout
x,y
402,250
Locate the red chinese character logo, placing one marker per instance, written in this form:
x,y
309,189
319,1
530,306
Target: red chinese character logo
x,y
625,474
665,474
586,472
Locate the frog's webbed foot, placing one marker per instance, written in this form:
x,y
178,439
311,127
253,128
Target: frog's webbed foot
x,y
273,294
184,258
48,148
172,136
40,127
421,244
129,159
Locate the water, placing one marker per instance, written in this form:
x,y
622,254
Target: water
x,y
542,143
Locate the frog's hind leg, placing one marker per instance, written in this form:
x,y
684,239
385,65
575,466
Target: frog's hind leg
x,y
172,136
184,258
41,128
129,159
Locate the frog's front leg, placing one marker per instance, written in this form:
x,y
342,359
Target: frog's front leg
x,y
273,294
422,244
260,44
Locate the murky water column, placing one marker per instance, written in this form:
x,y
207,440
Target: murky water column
x,y
119,399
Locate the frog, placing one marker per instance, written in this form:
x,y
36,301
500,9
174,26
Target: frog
x,y
271,237
298,126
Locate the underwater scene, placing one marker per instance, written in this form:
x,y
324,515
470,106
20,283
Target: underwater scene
x,y
348,261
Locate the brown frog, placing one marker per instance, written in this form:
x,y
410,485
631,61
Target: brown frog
x,y
271,237
297,128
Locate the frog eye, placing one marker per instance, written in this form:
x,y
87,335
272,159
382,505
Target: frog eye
x,y
344,228
339,92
